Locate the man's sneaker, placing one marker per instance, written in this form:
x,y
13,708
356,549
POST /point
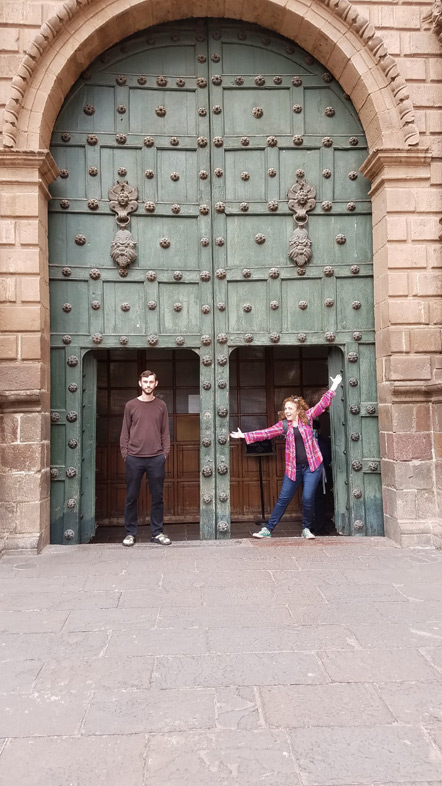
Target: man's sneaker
x,y
307,534
162,539
263,533
129,540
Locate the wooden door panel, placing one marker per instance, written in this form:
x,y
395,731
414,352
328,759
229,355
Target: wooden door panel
x,y
179,312
58,370
240,105
65,228
356,248
367,363
242,294
169,499
111,160
344,121
352,188
161,56
117,320
356,313
144,107
255,59
372,514
73,160
244,251
188,500
58,445
235,460
250,467
370,436
251,497
171,463
245,175
175,162
188,461
183,252
101,98
77,298
294,316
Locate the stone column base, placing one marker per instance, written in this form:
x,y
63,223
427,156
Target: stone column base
x,y
407,532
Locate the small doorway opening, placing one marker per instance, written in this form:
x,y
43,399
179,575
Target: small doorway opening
x,y
260,379
117,382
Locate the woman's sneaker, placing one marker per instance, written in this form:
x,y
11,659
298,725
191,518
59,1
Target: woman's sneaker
x,y
307,534
263,533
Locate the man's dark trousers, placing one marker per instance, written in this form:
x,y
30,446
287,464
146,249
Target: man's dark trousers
x,y
154,467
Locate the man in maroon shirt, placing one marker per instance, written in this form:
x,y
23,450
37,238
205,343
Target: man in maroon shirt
x,y
145,446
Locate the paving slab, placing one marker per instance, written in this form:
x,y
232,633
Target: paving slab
x,y
413,611
149,641
397,635
434,655
293,638
347,612
420,591
221,758
238,708
365,755
42,714
252,668
45,646
32,621
224,616
23,601
161,597
19,675
112,619
107,673
259,596
226,663
333,705
74,761
132,712
413,702
378,666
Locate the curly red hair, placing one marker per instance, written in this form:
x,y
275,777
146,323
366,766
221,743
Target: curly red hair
x,y
302,408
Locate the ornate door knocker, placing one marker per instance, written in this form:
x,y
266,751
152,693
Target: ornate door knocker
x,y
302,199
123,200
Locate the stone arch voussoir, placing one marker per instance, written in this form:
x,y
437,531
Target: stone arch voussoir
x,y
332,30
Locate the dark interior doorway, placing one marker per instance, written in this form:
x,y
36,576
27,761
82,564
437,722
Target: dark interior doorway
x,y
117,382
260,379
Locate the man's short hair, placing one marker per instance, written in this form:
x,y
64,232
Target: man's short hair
x,y
148,373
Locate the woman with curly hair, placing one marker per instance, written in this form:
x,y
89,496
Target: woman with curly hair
x,y
303,459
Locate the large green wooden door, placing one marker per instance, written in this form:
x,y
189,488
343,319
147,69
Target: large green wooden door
x,y
201,129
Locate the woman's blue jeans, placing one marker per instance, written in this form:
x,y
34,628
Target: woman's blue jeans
x,y
310,482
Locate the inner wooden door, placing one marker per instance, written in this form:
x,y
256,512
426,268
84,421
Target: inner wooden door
x,y
260,379
117,382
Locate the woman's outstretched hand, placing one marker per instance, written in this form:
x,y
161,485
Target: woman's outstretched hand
x,y
335,382
238,434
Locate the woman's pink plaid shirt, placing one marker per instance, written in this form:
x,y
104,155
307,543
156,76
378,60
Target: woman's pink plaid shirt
x,y
314,456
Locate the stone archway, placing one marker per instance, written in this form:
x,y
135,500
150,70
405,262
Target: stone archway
x,y
349,47
340,37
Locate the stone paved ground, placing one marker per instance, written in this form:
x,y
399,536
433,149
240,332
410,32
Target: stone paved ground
x,y
222,664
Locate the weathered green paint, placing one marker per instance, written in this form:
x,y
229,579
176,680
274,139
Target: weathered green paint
x,y
212,271
88,447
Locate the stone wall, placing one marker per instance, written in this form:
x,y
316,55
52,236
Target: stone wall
x,y
406,193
